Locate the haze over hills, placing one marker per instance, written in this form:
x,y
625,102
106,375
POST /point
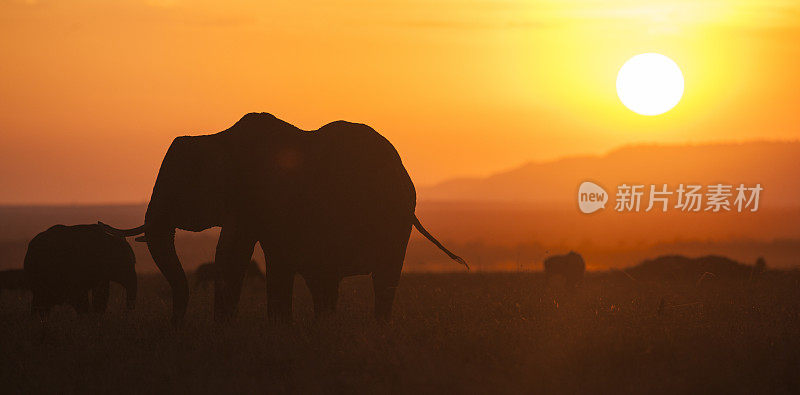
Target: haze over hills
x,y
772,164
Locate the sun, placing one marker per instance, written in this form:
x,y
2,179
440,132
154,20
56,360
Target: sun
x,y
650,84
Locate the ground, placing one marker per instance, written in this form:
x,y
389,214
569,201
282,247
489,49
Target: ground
x,y
476,333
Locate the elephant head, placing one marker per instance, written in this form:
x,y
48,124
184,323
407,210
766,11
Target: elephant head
x,y
189,194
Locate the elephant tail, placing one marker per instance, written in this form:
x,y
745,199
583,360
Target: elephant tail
x,y
433,240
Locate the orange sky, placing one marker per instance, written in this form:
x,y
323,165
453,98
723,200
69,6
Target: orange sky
x,y
92,92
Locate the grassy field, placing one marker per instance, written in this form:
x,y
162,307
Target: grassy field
x,y
474,333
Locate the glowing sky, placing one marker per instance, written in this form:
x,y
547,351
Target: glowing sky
x,y
92,92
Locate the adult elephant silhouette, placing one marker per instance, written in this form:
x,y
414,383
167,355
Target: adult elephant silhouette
x,y
325,204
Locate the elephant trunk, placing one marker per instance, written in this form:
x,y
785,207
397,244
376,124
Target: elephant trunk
x,y
161,243
131,289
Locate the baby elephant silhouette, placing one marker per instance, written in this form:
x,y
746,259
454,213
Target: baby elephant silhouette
x,y
64,263
209,271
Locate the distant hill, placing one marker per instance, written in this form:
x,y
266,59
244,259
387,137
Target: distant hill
x,y
679,267
772,164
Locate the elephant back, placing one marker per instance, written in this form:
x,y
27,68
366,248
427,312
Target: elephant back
x,y
339,166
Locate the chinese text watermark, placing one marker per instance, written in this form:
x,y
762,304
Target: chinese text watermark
x,y
684,197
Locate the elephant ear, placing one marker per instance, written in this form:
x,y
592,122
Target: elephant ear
x,y
192,184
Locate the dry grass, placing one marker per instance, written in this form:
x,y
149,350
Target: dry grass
x,y
471,333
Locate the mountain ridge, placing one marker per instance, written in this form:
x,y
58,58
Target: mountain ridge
x,y
763,161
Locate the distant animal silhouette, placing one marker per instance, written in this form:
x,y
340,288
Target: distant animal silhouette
x,y
569,266
13,279
209,271
701,269
326,204
64,263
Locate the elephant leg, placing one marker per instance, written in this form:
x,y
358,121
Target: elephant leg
x,y
80,302
384,285
387,274
40,306
280,285
325,292
234,251
37,302
100,297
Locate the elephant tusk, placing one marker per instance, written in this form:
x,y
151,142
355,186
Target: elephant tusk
x,y
121,232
